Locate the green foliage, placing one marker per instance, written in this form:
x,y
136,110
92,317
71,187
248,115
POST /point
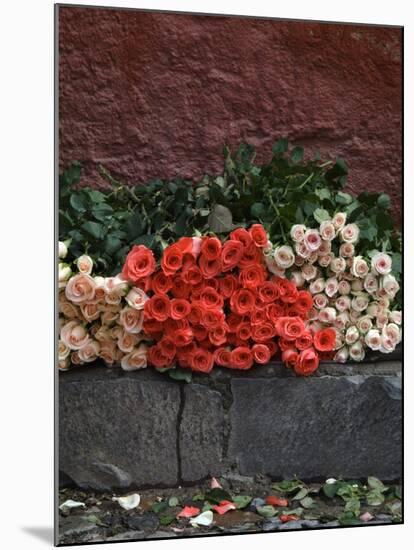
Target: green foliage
x,y
286,190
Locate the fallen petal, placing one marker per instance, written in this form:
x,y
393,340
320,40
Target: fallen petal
x,y
128,502
215,484
224,506
331,480
276,501
366,517
206,518
284,518
188,512
71,504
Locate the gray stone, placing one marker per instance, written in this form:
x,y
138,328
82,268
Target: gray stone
x,y
316,427
76,526
291,525
257,502
201,433
126,535
118,430
271,524
145,522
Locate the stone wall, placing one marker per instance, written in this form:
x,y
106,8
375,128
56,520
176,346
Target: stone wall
x,y
136,430
158,94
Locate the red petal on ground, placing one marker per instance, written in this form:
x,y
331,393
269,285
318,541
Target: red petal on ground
x,y
276,501
288,517
224,506
188,512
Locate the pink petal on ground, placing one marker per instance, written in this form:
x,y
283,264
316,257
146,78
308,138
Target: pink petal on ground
x,y
188,512
224,506
215,484
366,517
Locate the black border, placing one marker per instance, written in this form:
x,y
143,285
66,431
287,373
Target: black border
x,y
57,6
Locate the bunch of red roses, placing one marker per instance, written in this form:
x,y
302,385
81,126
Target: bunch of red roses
x,y
212,302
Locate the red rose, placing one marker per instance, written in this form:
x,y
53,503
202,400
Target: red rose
x,y
172,259
179,288
212,318
289,357
242,302
287,290
290,328
202,361
160,283
242,235
244,331
285,344
167,347
222,356
304,341
227,285
158,307
324,340
179,308
210,298
195,314
218,335
183,337
157,358
233,320
252,276
272,346
241,358
211,248
268,292
304,301
251,255
231,255
261,353
200,332
209,268
258,234
139,263
262,332
307,362
258,316
274,312
152,327
192,275
184,354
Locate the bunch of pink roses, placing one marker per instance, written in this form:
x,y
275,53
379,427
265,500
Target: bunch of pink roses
x,y
99,317
351,293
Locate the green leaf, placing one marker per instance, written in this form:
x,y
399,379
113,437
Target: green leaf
x,y
266,511
166,520
375,497
343,198
287,486
297,154
323,194
183,375
77,202
217,495
301,494
241,501
172,502
134,225
158,507
146,240
220,220
102,211
376,483
307,502
321,215
384,201
198,496
280,147
112,244
330,489
257,210
93,229
353,505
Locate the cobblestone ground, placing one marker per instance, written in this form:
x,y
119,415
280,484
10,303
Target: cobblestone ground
x,y
258,504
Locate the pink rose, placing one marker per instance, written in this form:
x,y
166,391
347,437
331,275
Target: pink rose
x,y
137,359
80,288
381,263
89,352
312,239
131,319
74,335
84,264
136,298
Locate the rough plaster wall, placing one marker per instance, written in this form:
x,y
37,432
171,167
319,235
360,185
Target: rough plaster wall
x,y
157,95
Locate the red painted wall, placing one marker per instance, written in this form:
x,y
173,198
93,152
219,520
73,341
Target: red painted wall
x,y
157,95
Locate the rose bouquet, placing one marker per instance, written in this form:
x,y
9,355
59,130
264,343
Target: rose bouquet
x,y
209,301
352,293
